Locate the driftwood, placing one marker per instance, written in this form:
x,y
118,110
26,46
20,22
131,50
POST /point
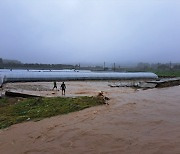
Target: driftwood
x,y
19,94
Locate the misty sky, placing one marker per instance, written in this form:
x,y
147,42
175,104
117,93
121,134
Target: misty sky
x,y
84,31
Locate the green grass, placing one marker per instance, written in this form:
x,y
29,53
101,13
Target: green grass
x,y
16,110
168,73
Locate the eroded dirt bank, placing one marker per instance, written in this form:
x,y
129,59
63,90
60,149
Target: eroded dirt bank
x,y
135,122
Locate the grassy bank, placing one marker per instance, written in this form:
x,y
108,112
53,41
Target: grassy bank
x,y
167,73
16,110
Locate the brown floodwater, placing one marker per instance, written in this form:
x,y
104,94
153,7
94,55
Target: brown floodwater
x,y
135,122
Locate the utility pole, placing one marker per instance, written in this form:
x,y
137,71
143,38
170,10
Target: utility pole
x,y
158,64
104,66
114,67
170,65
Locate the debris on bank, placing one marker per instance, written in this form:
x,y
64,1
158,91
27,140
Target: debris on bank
x,y
134,84
166,82
146,85
160,83
105,98
1,81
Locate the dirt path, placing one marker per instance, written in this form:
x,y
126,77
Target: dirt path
x,y
135,122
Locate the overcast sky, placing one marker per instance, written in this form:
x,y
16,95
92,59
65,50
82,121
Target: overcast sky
x,y
84,31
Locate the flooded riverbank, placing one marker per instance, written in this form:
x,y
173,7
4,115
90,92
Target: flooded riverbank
x,y
134,122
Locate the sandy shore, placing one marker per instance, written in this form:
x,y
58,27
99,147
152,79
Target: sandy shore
x,y
135,122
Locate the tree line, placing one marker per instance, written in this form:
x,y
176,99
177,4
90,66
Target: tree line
x,y
14,64
11,64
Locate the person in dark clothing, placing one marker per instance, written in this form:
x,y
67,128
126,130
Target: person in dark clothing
x,y
63,88
55,85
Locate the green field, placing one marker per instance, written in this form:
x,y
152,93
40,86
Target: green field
x,y
168,73
16,110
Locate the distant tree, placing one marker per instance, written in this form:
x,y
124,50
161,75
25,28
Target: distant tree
x,y
177,66
143,66
1,61
163,66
